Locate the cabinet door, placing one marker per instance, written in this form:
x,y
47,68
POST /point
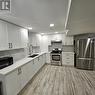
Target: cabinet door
x,y
69,41
40,61
14,35
68,58
36,65
26,73
24,37
12,83
44,58
34,40
3,36
47,57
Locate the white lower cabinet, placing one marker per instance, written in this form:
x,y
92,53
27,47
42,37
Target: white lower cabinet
x,y
16,80
47,57
44,58
12,84
36,67
26,74
68,58
40,61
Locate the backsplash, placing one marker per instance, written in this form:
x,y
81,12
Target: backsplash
x,y
17,54
65,48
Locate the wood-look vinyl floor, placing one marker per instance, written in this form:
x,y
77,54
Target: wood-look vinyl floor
x,y
62,80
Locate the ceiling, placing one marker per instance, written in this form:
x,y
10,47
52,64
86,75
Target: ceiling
x,y
38,14
81,17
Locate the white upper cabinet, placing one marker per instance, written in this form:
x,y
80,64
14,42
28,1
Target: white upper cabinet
x,y
24,37
36,40
68,40
3,36
12,36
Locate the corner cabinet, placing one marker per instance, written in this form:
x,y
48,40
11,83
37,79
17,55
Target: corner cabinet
x,y
12,36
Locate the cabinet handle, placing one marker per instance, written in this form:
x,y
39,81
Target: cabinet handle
x,y
9,45
19,71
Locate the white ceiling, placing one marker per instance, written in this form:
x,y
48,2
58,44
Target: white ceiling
x,y
38,14
81,17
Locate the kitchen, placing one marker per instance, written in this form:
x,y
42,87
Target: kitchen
x,y
47,48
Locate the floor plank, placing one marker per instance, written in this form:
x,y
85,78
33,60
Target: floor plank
x,y
62,80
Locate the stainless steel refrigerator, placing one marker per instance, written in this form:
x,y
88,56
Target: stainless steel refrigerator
x,y
84,50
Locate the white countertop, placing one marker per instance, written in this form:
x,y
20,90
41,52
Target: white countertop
x,y
68,52
17,64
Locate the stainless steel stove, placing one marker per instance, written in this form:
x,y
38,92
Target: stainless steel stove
x,y
56,57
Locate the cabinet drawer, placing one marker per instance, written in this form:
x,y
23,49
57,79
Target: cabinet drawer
x,y
68,58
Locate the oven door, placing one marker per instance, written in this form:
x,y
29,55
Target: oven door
x,y
56,57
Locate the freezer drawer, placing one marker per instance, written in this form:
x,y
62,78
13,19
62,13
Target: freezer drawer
x,y
85,63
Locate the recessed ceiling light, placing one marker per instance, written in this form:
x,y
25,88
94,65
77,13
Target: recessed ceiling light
x,y
56,32
42,33
30,28
51,25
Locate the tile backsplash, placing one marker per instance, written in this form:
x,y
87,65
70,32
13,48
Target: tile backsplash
x,y
17,54
65,48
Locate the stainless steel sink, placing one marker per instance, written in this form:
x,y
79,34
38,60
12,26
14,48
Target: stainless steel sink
x,y
33,55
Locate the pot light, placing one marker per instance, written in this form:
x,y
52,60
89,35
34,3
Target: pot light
x,y
30,28
42,33
56,32
51,25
